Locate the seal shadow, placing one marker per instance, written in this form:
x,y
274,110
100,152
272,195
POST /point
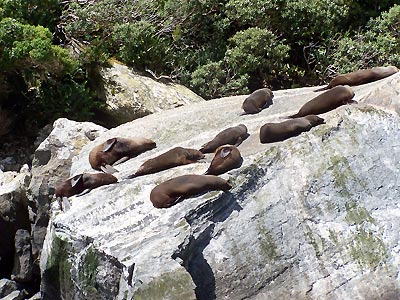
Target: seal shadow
x,y
191,250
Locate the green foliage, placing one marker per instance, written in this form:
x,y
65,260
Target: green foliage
x,y
215,79
26,46
38,76
253,54
256,51
33,12
140,45
377,45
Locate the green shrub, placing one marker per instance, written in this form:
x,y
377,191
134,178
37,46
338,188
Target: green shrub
x,y
377,45
38,77
140,45
214,80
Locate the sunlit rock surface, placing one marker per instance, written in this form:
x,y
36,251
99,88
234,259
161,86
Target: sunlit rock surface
x,y
129,96
312,217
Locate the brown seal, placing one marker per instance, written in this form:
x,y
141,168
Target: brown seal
x,y
179,188
361,77
257,101
172,158
276,132
327,101
226,158
117,150
81,182
232,136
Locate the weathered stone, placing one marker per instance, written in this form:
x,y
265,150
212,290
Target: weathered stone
x,y
16,295
312,217
7,287
13,215
22,271
51,165
129,96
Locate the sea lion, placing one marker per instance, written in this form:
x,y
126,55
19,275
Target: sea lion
x,y
232,136
226,158
172,158
360,77
276,132
257,101
82,183
179,188
327,101
117,150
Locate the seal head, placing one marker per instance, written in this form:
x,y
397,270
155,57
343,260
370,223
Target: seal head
x,y
232,136
117,150
226,158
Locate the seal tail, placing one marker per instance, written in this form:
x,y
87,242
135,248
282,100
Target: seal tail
x,y
322,89
130,176
108,169
289,117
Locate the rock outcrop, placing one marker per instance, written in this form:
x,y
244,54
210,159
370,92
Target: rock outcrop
x,y
312,217
129,96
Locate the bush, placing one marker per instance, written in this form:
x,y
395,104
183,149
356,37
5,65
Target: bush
x,y
378,45
37,76
216,79
140,45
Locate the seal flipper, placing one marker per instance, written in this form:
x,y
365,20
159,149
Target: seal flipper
x,y
225,152
108,144
121,160
84,192
322,89
108,169
239,141
76,179
66,203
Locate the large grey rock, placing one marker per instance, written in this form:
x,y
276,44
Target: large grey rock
x,y
312,217
22,271
13,215
16,295
129,96
7,287
51,165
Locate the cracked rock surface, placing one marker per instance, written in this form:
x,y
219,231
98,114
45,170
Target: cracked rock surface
x,y
312,217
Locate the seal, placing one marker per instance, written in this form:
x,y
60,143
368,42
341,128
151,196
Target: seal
x,y
257,101
232,136
81,184
117,150
179,188
277,132
327,101
360,77
227,157
177,156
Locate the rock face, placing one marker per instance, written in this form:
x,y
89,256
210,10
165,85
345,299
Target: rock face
x,y
13,215
129,96
312,217
51,165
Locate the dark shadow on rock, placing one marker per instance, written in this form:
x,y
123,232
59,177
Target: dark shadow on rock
x,y
191,251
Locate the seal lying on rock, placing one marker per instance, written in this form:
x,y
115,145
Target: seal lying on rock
x,y
82,183
117,150
172,158
327,101
226,158
276,132
179,188
232,136
257,101
361,77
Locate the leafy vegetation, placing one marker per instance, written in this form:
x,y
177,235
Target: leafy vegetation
x,y
216,48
